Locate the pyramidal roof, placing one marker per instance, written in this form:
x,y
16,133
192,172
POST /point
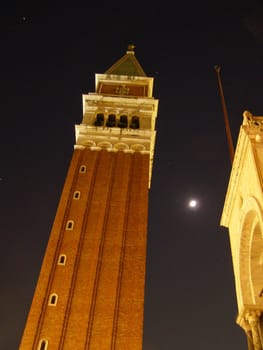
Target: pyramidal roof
x,y
127,65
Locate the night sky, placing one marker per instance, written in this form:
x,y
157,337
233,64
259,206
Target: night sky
x,y
49,57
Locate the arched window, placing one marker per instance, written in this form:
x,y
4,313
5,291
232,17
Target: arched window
x,y
53,299
135,122
82,169
76,195
99,119
43,344
70,225
62,259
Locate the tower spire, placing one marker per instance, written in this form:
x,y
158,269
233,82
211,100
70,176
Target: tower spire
x,y
127,65
226,119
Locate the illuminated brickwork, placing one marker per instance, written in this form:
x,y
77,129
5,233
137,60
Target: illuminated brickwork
x,y
90,292
100,288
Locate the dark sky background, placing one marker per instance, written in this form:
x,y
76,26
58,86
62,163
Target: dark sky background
x,y
49,57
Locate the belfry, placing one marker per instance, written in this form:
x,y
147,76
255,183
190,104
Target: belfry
x,y
90,291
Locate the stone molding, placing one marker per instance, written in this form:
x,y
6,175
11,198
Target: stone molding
x,y
249,320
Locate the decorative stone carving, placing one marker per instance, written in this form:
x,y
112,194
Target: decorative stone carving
x,y
252,316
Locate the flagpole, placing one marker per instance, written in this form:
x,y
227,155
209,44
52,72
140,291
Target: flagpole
x,y
226,119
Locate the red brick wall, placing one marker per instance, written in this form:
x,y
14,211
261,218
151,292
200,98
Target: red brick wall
x,y
101,288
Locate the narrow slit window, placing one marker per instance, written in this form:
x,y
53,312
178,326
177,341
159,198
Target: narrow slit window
x,y
43,344
53,299
76,195
70,225
82,169
62,259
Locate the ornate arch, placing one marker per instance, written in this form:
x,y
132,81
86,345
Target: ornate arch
x,y
250,291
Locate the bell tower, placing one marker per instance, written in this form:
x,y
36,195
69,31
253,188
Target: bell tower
x,y
243,216
90,291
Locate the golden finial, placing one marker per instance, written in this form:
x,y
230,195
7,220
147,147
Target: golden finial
x,y
131,48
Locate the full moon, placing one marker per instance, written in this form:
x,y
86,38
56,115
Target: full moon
x,y
193,203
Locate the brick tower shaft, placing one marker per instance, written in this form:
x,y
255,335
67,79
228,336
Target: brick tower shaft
x,y
90,291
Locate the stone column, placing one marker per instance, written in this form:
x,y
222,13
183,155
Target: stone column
x,y
252,316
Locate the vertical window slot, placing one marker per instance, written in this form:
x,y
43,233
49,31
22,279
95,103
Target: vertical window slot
x,y
42,344
82,169
62,259
70,225
53,299
76,195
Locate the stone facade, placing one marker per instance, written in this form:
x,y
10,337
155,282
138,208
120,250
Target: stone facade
x,y
243,216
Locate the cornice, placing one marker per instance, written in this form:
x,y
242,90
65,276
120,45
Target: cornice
x,y
251,130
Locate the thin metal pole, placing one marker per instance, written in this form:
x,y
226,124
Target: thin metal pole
x,y
226,119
